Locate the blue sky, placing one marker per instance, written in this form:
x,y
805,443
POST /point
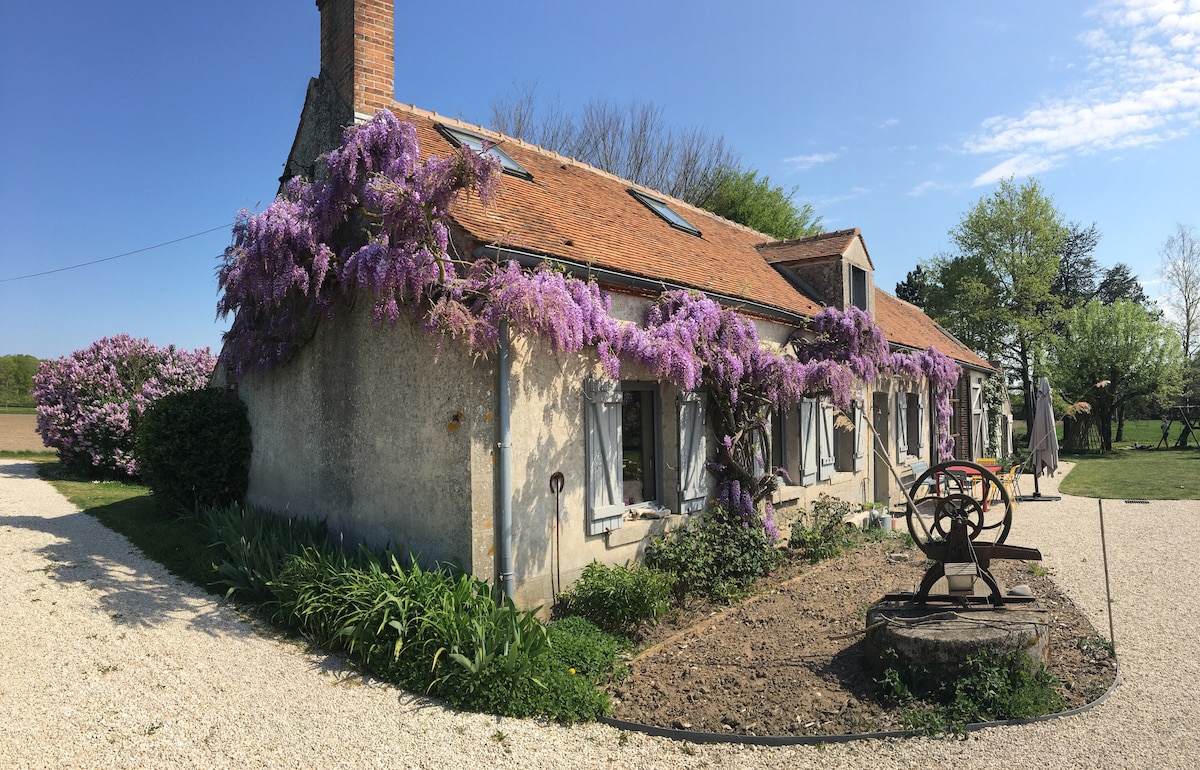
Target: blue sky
x,y
132,124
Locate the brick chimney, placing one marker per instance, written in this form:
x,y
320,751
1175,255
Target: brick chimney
x,y
358,52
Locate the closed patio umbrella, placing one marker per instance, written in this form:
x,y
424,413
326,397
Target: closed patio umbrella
x,y
1043,441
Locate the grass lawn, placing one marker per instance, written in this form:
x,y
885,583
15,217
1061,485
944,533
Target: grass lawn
x,y
176,542
1137,474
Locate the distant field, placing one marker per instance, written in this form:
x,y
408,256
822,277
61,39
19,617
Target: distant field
x,y
18,433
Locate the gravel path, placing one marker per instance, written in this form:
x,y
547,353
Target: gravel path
x,y
106,661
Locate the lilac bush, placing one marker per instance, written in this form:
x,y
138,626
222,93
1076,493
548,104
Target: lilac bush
x,y
88,403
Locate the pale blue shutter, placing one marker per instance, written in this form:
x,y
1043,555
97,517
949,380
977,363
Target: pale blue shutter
x,y
825,445
901,426
860,437
693,453
923,429
602,426
808,441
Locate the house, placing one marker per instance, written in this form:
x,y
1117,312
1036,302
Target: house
x,y
526,466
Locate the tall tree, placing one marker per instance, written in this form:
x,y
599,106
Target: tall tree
x,y
1119,282
1017,236
1078,271
744,197
1180,268
1108,355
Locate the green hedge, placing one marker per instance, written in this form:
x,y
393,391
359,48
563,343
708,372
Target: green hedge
x,y
193,448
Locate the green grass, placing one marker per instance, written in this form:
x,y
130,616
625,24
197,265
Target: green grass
x,y
47,455
177,543
14,409
1126,473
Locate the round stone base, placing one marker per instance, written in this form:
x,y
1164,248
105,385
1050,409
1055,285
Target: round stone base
x,y
939,639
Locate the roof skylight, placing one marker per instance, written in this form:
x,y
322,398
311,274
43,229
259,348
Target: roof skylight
x,y
666,212
476,143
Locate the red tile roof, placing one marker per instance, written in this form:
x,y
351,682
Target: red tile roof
x,y
820,246
905,324
575,212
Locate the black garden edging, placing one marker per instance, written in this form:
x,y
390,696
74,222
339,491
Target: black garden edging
x,y
693,736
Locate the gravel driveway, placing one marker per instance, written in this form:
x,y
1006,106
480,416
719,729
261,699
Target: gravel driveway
x,y
106,661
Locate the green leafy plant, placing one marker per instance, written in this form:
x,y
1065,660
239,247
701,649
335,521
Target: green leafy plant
x,y
620,599
989,686
193,448
716,557
825,533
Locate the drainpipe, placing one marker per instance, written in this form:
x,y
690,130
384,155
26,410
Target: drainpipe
x,y
504,557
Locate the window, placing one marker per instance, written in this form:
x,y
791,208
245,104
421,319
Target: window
x,y
623,446
858,288
638,434
666,212
844,436
476,143
778,455
693,452
910,416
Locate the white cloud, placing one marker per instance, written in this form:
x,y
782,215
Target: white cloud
x,y
1019,166
820,203
1142,88
889,123
805,162
925,187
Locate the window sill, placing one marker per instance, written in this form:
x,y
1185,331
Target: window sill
x,y
787,492
637,530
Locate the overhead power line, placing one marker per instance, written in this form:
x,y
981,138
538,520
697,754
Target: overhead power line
x,y
117,256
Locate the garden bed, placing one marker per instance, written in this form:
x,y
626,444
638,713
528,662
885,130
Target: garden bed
x,y
789,661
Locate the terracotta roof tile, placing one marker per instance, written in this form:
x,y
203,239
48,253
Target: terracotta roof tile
x,y
578,213
833,244
905,324
575,212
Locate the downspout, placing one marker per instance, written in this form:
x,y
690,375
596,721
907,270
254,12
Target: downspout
x,y
503,515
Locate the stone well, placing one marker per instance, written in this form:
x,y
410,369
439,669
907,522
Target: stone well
x,y
939,639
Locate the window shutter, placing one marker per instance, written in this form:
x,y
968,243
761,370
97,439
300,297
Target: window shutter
x,y
860,437
602,425
923,428
808,441
901,426
693,452
825,443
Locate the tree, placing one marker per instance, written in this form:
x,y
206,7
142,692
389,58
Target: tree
x,y
1180,268
16,379
1016,235
1108,355
744,197
1076,281
633,142
1119,282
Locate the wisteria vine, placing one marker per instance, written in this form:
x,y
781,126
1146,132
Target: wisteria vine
x,y
379,223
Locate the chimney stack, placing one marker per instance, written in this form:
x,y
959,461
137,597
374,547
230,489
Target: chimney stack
x,y
358,52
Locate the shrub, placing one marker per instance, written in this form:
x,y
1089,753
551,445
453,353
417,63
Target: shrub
x,y
193,448
990,686
620,599
719,556
825,533
89,402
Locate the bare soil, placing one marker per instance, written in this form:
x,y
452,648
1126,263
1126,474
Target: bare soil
x,y
18,433
789,660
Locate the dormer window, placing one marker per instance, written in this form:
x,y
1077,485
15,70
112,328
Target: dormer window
x,y
477,143
666,212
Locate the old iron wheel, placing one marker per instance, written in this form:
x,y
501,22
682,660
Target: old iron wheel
x,y
943,492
